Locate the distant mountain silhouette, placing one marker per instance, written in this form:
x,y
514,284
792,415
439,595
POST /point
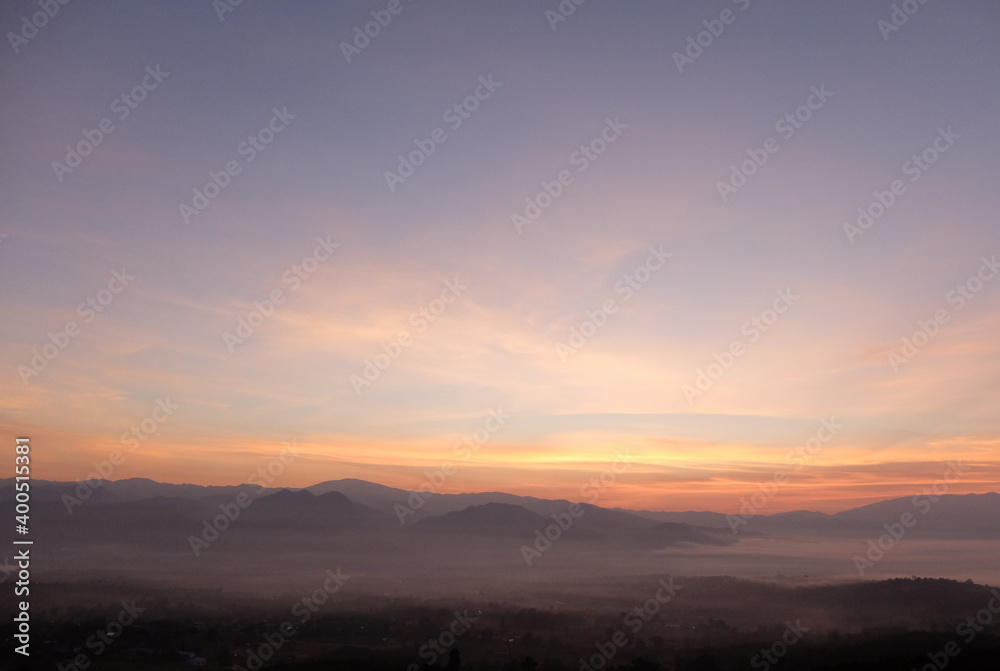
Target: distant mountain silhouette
x,y
594,525
370,494
301,509
672,533
130,489
950,516
144,507
489,519
385,499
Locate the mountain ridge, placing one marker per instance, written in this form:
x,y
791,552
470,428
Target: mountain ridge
x,y
360,504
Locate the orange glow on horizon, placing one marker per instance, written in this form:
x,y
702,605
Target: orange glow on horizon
x,y
834,481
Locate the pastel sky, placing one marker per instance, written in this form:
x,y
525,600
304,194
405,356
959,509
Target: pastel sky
x,y
670,136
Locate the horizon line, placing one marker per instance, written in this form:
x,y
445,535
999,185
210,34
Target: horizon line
x,y
636,510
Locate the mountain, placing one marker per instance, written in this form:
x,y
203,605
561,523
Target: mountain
x,y
950,516
366,493
386,499
671,534
593,525
351,504
153,522
489,519
210,535
287,510
130,489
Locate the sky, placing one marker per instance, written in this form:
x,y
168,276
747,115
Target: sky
x,y
622,241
